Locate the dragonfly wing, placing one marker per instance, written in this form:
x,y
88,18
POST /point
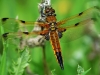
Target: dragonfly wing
x,y
22,39
9,25
14,25
20,34
77,30
16,29
89,13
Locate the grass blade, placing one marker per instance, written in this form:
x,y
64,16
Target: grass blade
x,y
3,69
19,66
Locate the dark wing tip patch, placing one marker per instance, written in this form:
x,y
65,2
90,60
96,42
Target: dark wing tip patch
x,y
5,35
4,19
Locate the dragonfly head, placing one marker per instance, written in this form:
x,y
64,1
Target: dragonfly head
x,y
49,11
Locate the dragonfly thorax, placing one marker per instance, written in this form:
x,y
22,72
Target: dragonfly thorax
x,y
53,26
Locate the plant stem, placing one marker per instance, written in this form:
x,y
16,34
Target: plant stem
x,y
46,70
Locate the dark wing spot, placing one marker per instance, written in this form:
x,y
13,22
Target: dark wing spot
x,y
5,35
4,19
80,13
77,24
26,33
22,21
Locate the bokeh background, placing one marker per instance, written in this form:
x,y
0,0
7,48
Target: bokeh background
x,y
84,51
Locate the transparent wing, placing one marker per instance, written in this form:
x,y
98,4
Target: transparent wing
x,y
14,25
22,39
92,12
77,30
11,35
15,29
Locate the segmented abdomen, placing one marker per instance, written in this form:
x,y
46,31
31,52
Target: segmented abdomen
x,y
54,39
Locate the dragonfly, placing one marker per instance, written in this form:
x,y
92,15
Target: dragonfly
x,y
55,31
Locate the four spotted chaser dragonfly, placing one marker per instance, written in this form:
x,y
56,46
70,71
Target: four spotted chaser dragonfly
x,y
68,29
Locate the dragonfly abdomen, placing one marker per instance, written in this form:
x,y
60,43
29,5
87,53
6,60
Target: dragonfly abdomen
x,y
54,39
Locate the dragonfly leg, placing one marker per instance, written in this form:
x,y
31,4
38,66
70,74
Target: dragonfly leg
x,y
60,30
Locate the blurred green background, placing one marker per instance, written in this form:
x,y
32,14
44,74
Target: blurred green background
x,y
84,51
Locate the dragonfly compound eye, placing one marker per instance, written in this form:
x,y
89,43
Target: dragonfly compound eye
x,y
47,10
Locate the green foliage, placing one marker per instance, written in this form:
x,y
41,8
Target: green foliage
x,y
84,51
22,62
3,64
81,71
53,72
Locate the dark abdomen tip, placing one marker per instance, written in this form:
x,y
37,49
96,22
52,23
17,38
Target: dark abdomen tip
x,y
60,61
62,67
